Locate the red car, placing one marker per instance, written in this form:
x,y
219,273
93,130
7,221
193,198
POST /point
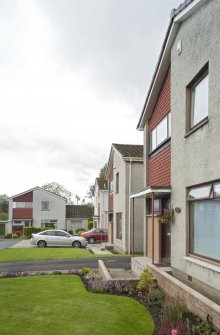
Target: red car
x,y
96,235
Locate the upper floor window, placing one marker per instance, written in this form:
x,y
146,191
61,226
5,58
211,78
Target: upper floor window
x,y
22,204
117,183
198,98
110,186
45,205
161,132
199,102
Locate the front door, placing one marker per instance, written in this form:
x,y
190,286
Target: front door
x,y
165,239
165,236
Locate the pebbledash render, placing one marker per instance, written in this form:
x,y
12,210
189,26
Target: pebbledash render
x,y
195,150
181,120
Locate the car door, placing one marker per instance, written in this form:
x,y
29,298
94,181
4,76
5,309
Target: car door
x,y
63,239
49,237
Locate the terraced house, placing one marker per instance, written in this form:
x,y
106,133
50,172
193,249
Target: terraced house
x,y
180,120
100,219
125,176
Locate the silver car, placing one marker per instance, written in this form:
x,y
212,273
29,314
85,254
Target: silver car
x,y
57,237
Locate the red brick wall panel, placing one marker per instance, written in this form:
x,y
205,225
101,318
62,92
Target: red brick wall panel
x,y
159,168
162,107
22,213
28,197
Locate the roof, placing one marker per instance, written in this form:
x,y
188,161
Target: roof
x,y
102,183
187,8
129,150
79,211
181,7
34,189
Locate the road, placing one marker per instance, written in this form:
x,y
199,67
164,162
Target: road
x,y
123,262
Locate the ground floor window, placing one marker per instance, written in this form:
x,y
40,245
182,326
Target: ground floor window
x,y
204,221
119,226
48,223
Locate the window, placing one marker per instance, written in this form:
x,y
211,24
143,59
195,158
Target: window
x,y
48,223
119,226
22,204
198,97
204,221
117,183
110,186
45,205
161,132
62,234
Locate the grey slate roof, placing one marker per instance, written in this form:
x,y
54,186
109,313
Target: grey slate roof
x,y
129,150
78,212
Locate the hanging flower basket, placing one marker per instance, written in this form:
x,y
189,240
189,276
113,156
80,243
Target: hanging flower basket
x,y
166,217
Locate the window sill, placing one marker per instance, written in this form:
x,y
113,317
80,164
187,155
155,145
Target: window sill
x,y
198,126
160,147
202,263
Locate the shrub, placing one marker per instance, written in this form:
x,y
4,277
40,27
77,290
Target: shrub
x,y
79,231
155,297
146,279
90,224
32,230
85,271
10,235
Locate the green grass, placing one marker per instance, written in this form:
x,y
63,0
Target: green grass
x,y
29,254
55,305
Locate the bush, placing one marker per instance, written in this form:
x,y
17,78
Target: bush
x,y
85,271
79,231
146,280
10,235
90,224
32,230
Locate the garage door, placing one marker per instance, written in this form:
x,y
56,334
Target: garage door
x,y
2,230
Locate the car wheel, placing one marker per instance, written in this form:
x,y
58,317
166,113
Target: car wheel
x,y
76,244
91,240
41,244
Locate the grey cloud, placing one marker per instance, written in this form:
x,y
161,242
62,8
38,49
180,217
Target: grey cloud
x,y
118,41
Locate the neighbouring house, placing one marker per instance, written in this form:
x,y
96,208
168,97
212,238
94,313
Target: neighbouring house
x,y
77,217
100,219
5,228
182,169
36,207
125,176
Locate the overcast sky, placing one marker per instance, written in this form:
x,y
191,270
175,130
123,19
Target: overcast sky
x,y
74,75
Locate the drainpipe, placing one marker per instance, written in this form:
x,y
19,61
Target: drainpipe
x,y
152,227
133,230
129,209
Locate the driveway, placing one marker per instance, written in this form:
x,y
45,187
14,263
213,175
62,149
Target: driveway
x,y
8,242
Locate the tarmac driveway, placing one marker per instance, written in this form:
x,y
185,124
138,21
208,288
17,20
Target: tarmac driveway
x,y
8,242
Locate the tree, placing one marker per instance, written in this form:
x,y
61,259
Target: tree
x,y
58,189
102,172
91,191
4,203
77,199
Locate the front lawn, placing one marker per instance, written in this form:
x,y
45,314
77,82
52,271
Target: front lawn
x,y
29,254
56,304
